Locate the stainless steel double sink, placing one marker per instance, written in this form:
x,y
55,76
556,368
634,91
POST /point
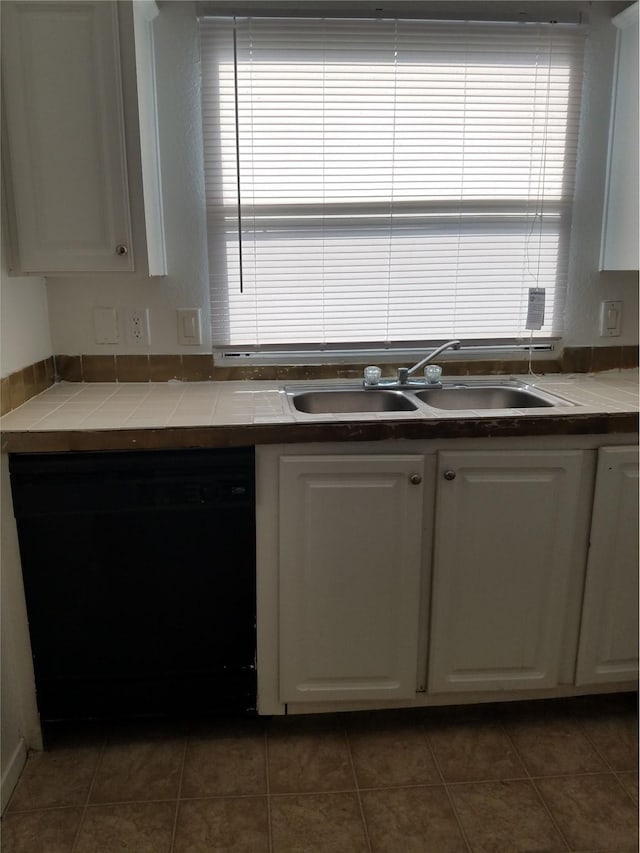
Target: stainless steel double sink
x,y
449,396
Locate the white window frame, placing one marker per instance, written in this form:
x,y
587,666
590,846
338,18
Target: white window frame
x,y
305,213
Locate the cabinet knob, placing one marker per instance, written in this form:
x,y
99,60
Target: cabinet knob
x,y
121,249
449,475
415,479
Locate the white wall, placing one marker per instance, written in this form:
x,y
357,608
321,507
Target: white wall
x,y
25,340
20,728
71,299
587,286
24,320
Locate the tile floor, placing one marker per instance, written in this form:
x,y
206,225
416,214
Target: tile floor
x,y
538,777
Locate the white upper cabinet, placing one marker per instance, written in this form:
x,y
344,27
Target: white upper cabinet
x,y
620,229
609,635
65,160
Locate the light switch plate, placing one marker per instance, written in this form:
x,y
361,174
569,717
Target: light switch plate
x,y
610,319
189,331
105,326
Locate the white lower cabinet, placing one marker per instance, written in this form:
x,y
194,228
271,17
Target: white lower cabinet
x,y
349,576
609,632
503,558
445,571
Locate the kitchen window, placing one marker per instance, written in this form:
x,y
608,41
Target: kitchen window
x,y
387,183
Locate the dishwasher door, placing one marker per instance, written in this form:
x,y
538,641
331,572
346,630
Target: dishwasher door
x,y
139,572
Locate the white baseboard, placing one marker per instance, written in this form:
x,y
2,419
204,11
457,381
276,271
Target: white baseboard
x,y
11,773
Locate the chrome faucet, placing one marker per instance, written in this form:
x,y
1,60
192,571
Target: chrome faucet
x,y
405,372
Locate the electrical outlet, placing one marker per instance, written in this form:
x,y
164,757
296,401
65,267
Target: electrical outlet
x,y
138,327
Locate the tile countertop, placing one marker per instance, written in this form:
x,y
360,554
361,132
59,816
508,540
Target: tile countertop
x,y
116,416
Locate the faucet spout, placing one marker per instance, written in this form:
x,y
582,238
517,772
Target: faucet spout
x,y
405,372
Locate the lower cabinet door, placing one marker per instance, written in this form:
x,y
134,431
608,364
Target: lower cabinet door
x,y
504,552
350,549
608,649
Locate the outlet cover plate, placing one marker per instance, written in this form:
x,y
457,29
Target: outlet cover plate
x,y
189,329
610,319
105,326
138,327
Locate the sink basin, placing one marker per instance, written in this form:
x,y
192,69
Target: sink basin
x,y
485,397
351,400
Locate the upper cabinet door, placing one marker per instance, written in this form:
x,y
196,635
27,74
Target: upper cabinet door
x,y
609,635
65,142
505,553
620,240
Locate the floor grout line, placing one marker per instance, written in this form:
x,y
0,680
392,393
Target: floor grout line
x,y
599,752
103,749
177,809
358,795
268,789
436,764
535,787
628,793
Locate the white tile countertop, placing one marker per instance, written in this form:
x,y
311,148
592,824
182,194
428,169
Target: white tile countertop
x,y
107,407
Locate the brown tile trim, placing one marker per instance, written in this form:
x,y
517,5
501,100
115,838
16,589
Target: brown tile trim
x,y
576,359
570,360
242,435
132,368
595,359
68,368
31,380
98,368
24,384
629,357
197,368
5,402
165,367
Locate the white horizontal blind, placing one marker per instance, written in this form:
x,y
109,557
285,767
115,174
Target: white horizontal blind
x,y
386,182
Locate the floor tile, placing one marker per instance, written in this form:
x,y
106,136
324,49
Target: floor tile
x,y
615,736
412,820
629,781
138,771
307,756
60,777
388,752
505,817
553,747
593,812
127,828
474,752
310,823
223,825
50,831
225,764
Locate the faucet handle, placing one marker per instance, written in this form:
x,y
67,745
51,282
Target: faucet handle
x,y
432,373
372,375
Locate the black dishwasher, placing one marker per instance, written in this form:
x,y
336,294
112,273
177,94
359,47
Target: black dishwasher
x,y
139,573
